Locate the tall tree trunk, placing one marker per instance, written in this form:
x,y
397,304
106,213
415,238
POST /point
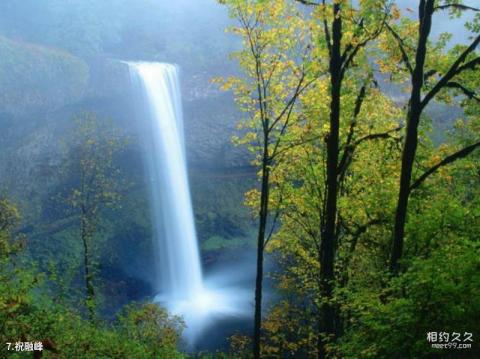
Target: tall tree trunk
x,y
88,271
327,248
411,139
265,188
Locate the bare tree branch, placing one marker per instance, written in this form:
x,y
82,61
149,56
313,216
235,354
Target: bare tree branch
x,y
452,158
401,45
275,219
469,93
358,107
429,74
375,136
454,70
293,145
456,6
289,107
469,65
309,3
347,59
350,150
298,90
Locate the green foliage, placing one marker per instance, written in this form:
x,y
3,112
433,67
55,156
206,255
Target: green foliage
x,y
375,316
93,146
153,327
440,293
95,187
221,219
15,283
29,313
65,334
216,243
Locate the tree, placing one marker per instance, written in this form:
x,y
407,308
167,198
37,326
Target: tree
x,y
274,61
364,199
152,326
332,184
443,247
347,31
16,281
93,186
432,74
29,312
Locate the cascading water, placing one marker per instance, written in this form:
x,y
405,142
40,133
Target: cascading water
x,y
179,275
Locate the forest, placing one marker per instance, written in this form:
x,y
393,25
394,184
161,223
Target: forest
x,y
240,179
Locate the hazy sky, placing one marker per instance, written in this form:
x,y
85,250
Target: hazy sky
x,y
442,22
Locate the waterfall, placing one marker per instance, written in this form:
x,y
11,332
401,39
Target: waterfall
x,y
181,288
179,274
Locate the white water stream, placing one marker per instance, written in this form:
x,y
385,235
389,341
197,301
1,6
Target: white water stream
x,y
179,274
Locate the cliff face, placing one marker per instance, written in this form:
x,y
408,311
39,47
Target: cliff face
x,y
36,79
36,83
44,88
